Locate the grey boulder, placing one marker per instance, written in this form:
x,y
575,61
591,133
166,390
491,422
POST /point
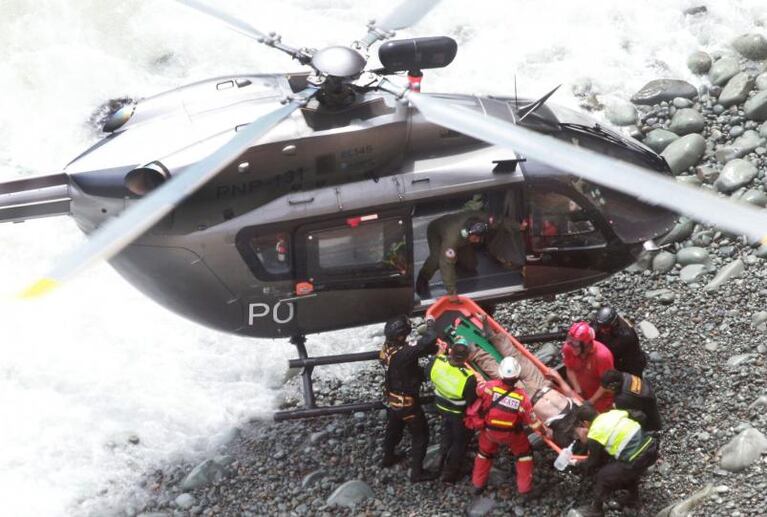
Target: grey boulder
x,y
184,501
621,113
661,90
681,231
743,450
659,139
686,121
663,262
685,152
692,255
755,108
751,46
736,90
735,174
723,70
690,274
203,474
732,270
480,506
755,197
648,330
685,507
744,144
761,81
350,494
699,62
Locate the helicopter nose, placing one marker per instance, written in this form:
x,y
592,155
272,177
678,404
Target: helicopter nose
x,y
142,180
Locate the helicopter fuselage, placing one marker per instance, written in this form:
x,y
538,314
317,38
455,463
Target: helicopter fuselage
x,y
322,223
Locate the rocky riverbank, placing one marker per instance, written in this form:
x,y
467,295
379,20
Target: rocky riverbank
x,y
700,305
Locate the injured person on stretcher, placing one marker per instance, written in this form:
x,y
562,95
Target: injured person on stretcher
x,y
554,403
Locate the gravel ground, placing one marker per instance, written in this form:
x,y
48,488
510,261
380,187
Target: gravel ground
x,y
707,366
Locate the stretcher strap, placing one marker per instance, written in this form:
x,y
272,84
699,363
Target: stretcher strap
x,y
472,334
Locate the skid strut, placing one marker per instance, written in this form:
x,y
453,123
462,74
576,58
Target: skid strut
x,y
310,408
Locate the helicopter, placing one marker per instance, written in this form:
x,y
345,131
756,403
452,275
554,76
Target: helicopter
x,y
280,205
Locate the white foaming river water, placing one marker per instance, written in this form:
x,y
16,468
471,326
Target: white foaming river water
x,y
98,361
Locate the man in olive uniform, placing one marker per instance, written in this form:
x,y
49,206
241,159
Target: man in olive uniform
x,y
633,393
618,450
403,379
452,238
455,387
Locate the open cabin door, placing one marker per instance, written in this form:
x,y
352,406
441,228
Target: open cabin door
x,y
360,267
565,242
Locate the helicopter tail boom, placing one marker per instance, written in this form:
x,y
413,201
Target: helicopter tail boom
x,y
32,198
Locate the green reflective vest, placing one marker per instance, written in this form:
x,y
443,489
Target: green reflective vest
x,y
614,430
449,382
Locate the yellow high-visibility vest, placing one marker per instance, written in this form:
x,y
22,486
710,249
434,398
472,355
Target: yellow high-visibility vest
x,y
613,429
449,382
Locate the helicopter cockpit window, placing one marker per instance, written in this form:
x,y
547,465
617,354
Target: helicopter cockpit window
x,y
359,247
273,252
559,222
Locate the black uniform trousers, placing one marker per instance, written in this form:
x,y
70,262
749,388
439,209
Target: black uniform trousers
x,y
618,475
455,438
413,418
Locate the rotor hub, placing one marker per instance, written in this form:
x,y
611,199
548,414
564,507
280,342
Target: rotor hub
x,y
338,61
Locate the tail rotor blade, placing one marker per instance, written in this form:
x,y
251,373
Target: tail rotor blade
x,y
647,186
118,233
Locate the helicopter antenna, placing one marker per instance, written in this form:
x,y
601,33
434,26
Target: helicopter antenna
x,y
530,108
516,98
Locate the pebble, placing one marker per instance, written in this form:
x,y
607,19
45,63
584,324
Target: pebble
x,y
732,270
699,62
723,70
686,121
621,113
736,90
184,501
755,108
692,255
743,450
685,152
690,274
663,262
648,330
751,46
350,494
659,90
659,139
480,506
761,81
735,174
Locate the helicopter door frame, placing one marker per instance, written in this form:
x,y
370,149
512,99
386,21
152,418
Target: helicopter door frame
x,y
360,266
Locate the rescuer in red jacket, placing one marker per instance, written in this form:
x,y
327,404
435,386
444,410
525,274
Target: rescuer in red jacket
x,y
587,360
507,413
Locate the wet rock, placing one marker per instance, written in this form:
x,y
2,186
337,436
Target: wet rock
x,y
759,404
184,501
761,81
480,506
755,108
350,494
663,262
736,90
691,273
699,62
711,346
547,352
761,252
732,270
692,255
681,102
685,152
735,174
681,231
203,474
743,145
689,179
433,457
319,436
686,121
751,46
661,90
706,174
743,450
621,113
755,197
723,70
648,329
659,139
685,507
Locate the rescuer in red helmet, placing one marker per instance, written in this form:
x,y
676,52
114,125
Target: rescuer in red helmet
x,y
587,360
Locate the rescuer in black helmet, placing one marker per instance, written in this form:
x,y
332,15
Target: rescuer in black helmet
x,y
620,337
404,377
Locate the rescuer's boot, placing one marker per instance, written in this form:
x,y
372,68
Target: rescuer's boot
x,y
416,476
422,287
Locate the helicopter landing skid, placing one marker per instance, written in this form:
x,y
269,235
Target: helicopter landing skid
x,y
310,409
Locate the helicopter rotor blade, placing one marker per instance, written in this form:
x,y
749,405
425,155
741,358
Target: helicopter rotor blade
x,y
649,187
406,14
238,25
118,233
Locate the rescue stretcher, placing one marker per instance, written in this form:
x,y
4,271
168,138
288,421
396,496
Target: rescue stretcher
x,y
554,402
